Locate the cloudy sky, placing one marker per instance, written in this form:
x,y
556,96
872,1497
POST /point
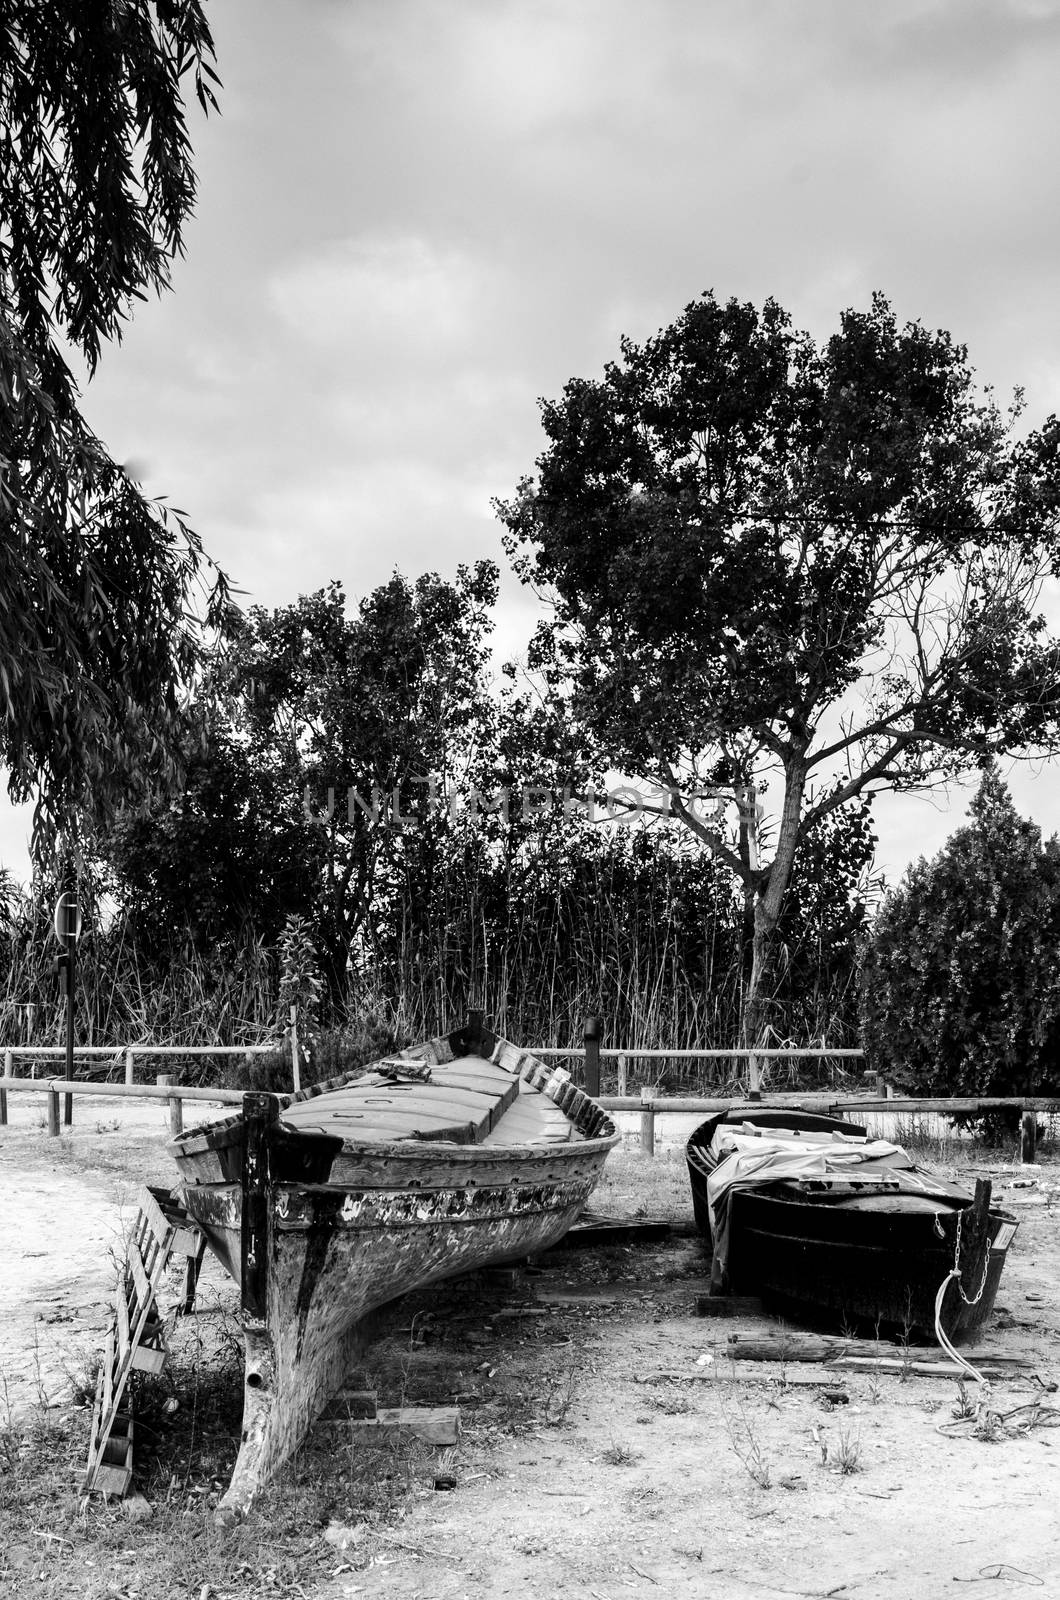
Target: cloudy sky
x,y
417,216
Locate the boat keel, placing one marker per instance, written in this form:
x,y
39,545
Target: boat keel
x,y
281,1400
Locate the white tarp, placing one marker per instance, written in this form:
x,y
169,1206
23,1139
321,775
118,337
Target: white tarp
x,y
753,1158
748,1157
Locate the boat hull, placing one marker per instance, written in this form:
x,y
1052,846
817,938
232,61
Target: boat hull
x,y
320,1233
865,1269
856,1259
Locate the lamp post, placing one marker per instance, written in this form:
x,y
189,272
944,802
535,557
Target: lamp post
x,y
67,924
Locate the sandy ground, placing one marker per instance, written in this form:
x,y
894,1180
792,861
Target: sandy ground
x,y
582,1469
64,1207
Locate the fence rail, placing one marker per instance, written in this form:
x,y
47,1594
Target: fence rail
x,y
647,1104
593,1052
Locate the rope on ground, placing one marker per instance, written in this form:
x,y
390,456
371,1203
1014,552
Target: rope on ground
x,y
995,1425
1001,1571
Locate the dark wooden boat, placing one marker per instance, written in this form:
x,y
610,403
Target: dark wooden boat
x,y
868,1244
458,1154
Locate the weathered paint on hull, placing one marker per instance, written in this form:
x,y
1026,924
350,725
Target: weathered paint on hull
x,y
320,1230
338,1254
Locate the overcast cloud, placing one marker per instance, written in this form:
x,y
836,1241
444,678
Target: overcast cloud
x,y
417,217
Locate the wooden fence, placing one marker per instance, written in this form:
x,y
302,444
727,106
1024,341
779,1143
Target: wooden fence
x,y
591,1052
648,1105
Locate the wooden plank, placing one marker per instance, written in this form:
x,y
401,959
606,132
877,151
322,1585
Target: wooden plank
x,y
113,1472
108,1377
136,1341
188,1238
722,1372
351,1405
930,1366
121,1322
139,1272
150,1353
154,1217
111,1480
437,1425
590,1231
823,1347
729,1305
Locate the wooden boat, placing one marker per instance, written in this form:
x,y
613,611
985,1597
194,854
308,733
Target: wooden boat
x,y
861,1236
460,1153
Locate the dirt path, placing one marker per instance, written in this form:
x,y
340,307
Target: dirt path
x,y
64,1205
580,1470
615,1484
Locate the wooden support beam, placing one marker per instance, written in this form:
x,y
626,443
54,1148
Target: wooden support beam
x,y
647,1123
437,1425
729,1305
175,1104
593,1032
727,1372
1028,1137
351,1405
260,1112
804,1347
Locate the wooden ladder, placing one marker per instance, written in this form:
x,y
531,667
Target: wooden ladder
x,y
136,1341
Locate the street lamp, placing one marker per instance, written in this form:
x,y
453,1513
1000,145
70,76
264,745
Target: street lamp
x,y
67,925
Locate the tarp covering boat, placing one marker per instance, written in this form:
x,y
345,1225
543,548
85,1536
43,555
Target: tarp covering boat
x,y
827,1162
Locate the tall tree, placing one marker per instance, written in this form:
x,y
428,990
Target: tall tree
x,y
104,596
815,569
960,979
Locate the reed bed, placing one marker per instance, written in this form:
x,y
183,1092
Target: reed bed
x,y
649,937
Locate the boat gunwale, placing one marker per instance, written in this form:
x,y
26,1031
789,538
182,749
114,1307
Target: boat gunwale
x,y
556,1082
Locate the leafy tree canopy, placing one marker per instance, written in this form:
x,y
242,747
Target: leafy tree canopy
x,y
321,712
103,595
814,568
960,981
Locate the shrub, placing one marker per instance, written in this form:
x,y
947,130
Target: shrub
x,y
959,986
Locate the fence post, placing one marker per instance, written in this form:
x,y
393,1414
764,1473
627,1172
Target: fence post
x,y
594,1027
647,1121
53,1113
9,1063
1029,1137
129,1069
296,1071
175,1104
754,1077
622,1075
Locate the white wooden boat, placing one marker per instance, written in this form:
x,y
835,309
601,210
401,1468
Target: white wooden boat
x,y
457,1154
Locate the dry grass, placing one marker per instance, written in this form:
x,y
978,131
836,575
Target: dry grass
x,y
636,1185
59,1543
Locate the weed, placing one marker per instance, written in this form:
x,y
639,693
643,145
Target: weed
x,y
82,1381
746,1445
672,1403
965,1407
560,1400
846,1457
620,1455
647,1503
990,1428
